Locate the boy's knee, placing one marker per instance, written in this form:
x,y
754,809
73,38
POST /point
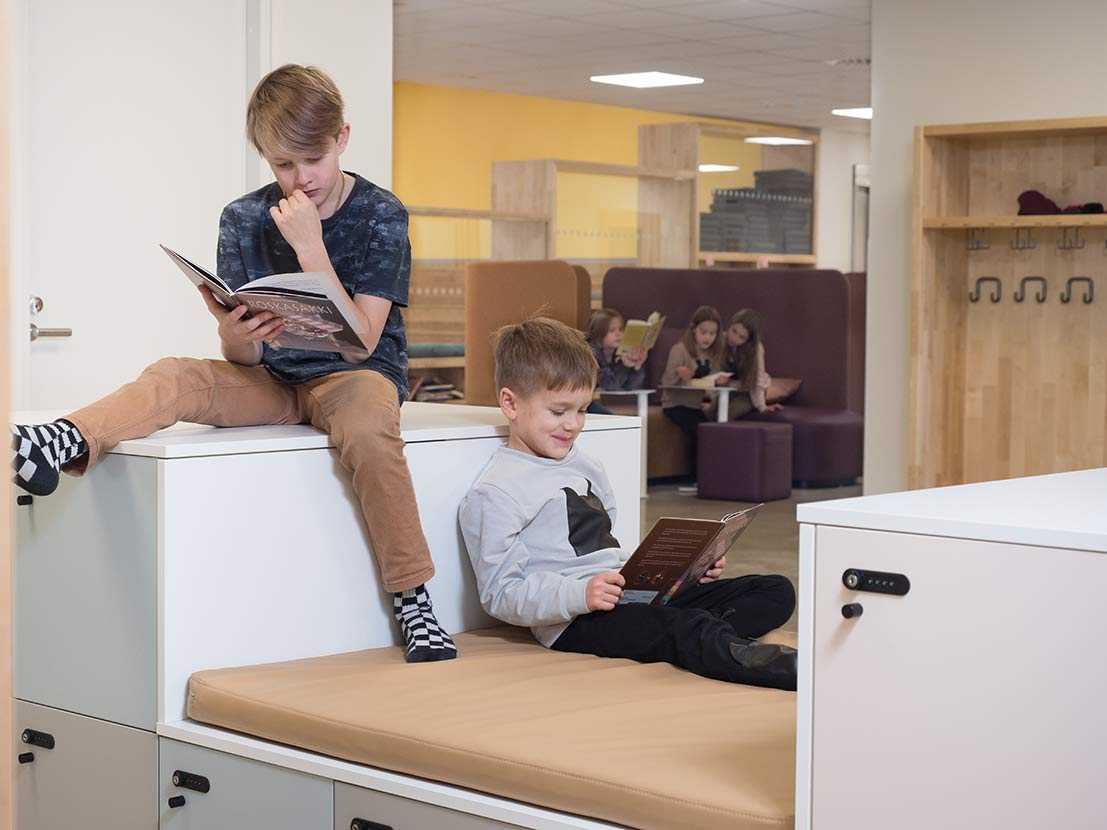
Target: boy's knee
x,y
173,368
782,591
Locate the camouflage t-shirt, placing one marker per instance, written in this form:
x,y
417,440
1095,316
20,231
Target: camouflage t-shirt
x,y
367,242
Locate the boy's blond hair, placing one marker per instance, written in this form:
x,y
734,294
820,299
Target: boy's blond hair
x,y
541,354
294,108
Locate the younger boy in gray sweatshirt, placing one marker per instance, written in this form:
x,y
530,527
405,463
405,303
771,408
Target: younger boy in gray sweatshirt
x,y
537,524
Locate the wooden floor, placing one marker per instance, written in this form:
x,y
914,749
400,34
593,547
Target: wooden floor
x,y
769,546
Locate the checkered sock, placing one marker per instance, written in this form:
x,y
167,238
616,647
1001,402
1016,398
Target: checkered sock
x,y
424,639
39,451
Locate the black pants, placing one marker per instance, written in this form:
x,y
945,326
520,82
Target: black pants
x,y
694,631
688,418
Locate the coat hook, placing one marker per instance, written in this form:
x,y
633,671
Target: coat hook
x,y
1040,295
1076,243
976,242
997,289
1089,292
1021,242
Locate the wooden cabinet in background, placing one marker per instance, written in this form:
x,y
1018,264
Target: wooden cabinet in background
x,y
1008,323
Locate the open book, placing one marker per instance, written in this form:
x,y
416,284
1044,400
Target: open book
x,y
318,314
641,333
678,552
710,381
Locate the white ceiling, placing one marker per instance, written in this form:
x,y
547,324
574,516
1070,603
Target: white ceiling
x,y
760,60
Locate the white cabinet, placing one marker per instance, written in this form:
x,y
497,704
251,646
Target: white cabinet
x,y
356,808
200,789
74,771
199,548
976,698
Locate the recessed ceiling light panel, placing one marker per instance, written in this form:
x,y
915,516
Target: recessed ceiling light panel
x,y
778,141
719,168
646,80
855,112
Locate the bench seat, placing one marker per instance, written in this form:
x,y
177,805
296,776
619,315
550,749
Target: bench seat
x,y
645,746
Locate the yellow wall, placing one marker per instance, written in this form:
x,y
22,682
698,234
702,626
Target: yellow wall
x,y
445,140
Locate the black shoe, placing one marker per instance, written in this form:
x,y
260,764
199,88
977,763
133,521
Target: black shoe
x,y
765,664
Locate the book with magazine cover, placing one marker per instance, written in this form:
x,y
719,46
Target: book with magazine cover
x,y
677,553
318,314
641,333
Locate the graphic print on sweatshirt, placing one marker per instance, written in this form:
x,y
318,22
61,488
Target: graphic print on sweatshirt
x,y
589,524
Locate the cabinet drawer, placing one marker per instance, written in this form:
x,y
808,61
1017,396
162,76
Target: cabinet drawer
x,y
85,570
960,703
241,793
97,776
395,813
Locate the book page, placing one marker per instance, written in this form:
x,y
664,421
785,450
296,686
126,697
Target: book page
x,y
733,526
199,276
665,556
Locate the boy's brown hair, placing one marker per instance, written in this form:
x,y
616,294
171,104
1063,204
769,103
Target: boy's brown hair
x,y
541,354
600,322
294,108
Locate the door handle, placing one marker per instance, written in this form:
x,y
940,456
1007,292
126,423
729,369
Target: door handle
x,y
36,332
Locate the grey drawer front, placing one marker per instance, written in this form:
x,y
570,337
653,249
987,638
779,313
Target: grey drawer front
x,y
243,795
402,813
85,594
98,776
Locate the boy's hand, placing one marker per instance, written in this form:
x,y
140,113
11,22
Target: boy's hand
x,y
297,219
684,373
236,332
715,572
604,590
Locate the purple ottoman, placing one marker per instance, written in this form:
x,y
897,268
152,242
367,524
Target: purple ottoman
x,y
827,444
745,461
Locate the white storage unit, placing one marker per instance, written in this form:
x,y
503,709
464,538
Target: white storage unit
x,y
202,548
975,699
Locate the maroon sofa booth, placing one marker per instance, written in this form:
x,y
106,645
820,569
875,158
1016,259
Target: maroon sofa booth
x,y
814,329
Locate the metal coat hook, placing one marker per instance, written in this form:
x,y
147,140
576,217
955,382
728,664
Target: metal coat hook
x,y
976,241
1023,241
1040,294
1089,292
1076,243
997,289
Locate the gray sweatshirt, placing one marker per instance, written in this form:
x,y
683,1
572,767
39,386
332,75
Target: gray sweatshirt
x,y
537,530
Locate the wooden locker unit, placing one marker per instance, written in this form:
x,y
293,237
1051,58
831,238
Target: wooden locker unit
x,y
1015,387
665,207
678,146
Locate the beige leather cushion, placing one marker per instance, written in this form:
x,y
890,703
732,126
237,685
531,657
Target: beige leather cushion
x,y
648,746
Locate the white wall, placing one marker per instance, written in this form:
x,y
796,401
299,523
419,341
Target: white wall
x,y
949,61
352,41
838,152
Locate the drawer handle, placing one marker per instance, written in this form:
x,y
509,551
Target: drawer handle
x,y
191,781
852,611
36,738
176,801
24,501
26,757
877,582
365,824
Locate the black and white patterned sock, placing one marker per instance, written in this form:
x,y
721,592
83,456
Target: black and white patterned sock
x,y
424,639
39,451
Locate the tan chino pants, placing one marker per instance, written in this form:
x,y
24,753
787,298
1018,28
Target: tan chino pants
x,y
359,410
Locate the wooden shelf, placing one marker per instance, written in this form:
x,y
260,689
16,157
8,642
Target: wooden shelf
x,y
1045,128
1063,220
746,256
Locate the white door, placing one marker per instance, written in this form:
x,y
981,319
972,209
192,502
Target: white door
x,y
128,130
